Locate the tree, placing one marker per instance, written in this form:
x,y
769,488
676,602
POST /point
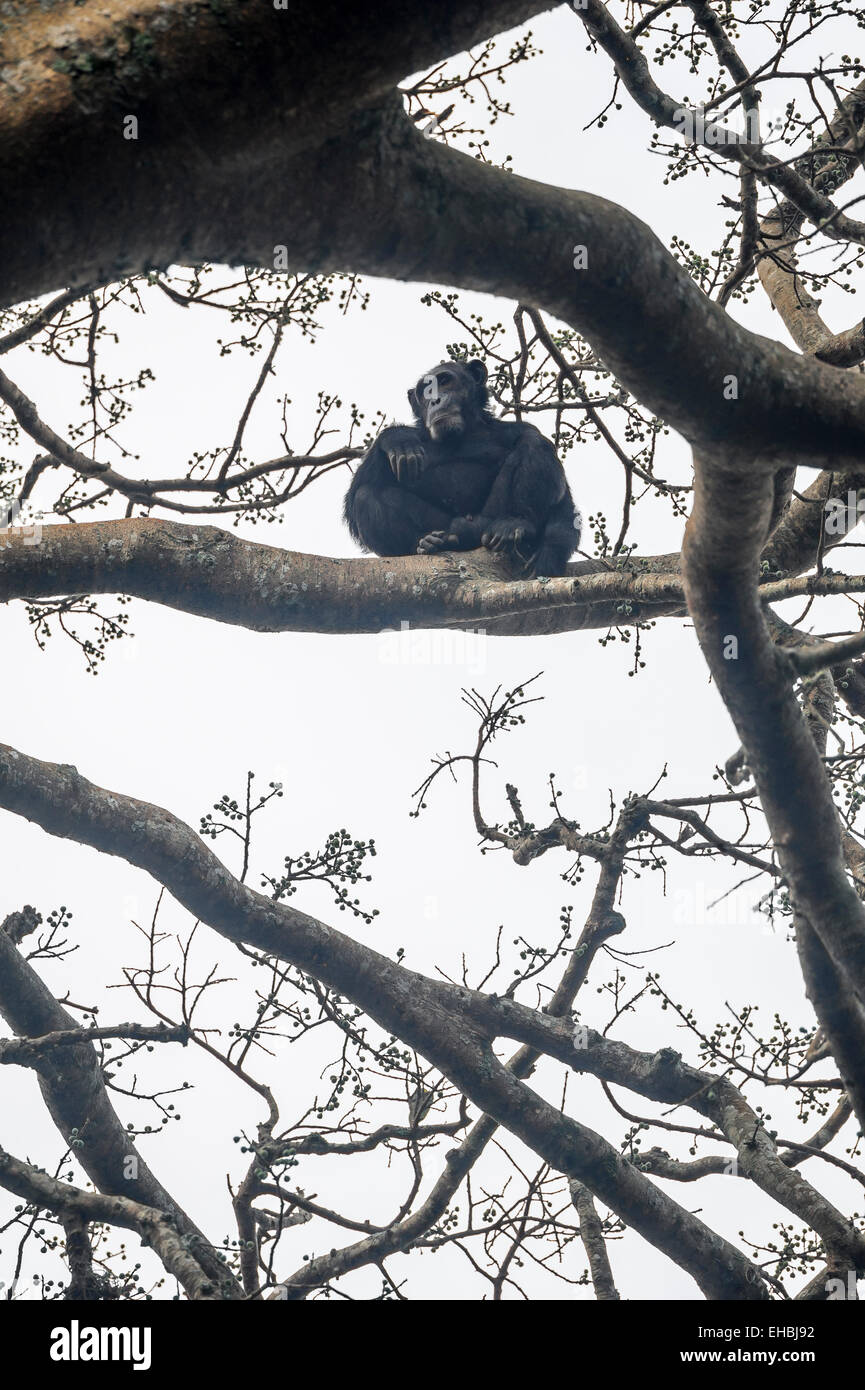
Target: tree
x,y
144,152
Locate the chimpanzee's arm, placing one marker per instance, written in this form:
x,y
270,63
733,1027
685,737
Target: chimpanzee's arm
x,y
381,513
529,483
530,507
397,455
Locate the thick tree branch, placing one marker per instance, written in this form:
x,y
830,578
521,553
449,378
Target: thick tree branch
x,y
74,73
601,924
371,199
75,1095
216,574
449,1025
722,542
155,1226
592,1235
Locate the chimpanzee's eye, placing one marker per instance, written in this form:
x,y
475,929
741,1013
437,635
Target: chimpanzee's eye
x,y
445,379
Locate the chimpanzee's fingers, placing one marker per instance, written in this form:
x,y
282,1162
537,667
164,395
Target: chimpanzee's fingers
x,y
436,540
430,542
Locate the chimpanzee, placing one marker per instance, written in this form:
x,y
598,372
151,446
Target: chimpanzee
x,y
460,478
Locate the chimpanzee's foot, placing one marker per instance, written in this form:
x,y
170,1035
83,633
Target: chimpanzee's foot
x,y
436,541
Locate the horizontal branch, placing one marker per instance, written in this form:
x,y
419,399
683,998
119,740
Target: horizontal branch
x,y
216,574
27,1052
807,660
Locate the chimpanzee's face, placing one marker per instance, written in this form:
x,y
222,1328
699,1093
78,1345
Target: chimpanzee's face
x,y
443,396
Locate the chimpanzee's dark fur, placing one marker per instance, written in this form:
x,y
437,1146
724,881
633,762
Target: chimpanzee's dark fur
x,y
460,478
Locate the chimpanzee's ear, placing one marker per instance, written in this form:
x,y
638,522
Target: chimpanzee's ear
x,y
477,369
413,402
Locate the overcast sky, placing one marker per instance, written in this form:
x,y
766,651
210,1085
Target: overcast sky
x,y
349,724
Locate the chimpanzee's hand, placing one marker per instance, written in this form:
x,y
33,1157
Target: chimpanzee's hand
x,y
506,533
405,453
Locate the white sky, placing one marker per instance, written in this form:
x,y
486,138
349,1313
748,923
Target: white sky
x,y
179,715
